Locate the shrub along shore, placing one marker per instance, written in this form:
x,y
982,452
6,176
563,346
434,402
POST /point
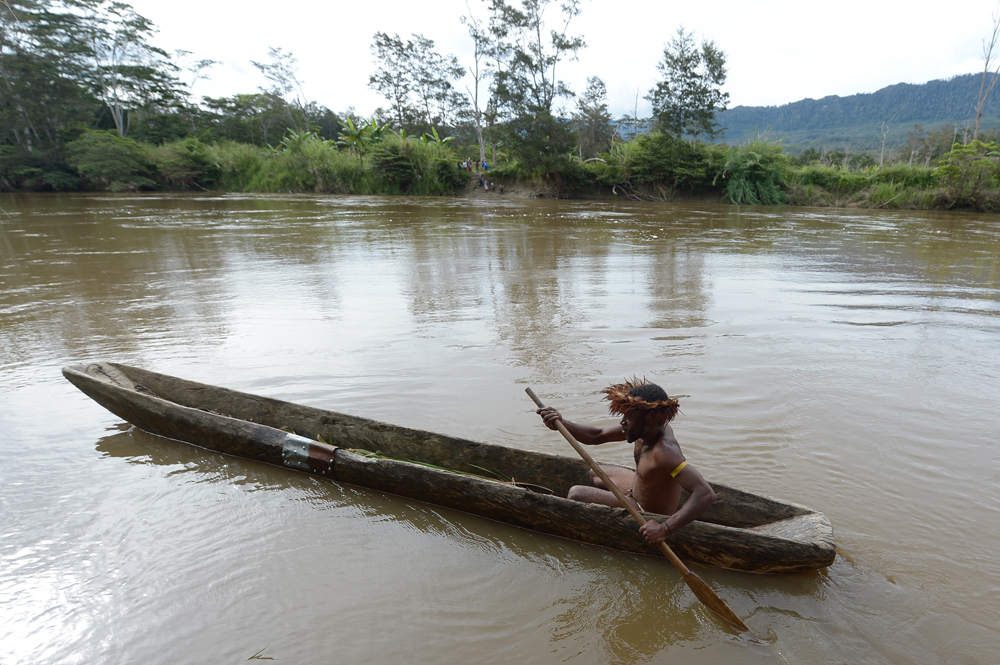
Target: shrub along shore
x,y
652,167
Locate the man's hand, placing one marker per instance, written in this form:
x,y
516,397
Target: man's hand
x,y
550,416
654,532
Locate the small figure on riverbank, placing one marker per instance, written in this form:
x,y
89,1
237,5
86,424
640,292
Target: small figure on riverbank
x,y
501,188
480,180
660,468
477,166
486,166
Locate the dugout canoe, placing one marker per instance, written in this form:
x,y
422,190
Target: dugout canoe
x,y
741,530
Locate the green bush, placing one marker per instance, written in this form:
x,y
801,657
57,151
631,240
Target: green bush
x,y
575,176
33,172
238,164
808,195
907,176
620,159
605,173
395,165
303,162
969,175
662,158
287,167
184,164
447,176
835,180
755,173
335,171
884,194
108,161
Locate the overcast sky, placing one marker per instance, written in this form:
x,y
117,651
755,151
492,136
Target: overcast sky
x,y
778,51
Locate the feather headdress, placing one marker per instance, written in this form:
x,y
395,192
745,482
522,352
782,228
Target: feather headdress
x,y
622,403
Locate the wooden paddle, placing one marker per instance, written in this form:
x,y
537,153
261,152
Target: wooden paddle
x,y
705,594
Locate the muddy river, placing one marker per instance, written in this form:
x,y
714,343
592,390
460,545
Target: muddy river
x,y
846,360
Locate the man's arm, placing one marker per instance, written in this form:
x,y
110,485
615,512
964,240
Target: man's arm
x,y
585,434
702,496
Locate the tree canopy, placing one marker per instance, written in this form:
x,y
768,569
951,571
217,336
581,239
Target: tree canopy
x,y
686,100
592,120
417,82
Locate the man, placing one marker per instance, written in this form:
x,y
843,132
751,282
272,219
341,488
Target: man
x,y
660,468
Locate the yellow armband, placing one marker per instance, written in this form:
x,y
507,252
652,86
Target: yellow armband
x,y
680,467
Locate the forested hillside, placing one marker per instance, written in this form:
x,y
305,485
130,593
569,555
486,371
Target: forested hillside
x,y
834,123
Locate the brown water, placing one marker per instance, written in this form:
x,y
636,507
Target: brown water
x,y
846,360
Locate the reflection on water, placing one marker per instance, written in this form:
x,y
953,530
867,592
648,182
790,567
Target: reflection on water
x,y
842,359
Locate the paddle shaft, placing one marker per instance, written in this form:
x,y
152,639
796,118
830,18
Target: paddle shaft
x,y
667,552
702,591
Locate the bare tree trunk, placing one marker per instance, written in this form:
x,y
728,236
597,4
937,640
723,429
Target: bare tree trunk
x,y
118,115
635,116
480,41
482,143
984,89
885,134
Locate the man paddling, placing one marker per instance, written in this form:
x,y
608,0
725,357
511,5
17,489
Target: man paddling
x,y
660,468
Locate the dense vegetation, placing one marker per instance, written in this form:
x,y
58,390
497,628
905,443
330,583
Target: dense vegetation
x,y
758,172
89,104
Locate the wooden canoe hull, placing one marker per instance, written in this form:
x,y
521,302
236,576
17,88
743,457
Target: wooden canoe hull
x,y
742,530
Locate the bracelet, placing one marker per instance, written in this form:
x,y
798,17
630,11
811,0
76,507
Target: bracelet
x,y
670,531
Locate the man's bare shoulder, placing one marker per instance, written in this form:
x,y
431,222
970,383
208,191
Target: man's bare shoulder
x,y
667,452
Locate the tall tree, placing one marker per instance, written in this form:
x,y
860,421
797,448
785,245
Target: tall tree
x,y
44,54
592,120
130,75
259,118
392,78
686,100
480,70
526,88
416,81
528,84
438,101
499,52
196,68
280,71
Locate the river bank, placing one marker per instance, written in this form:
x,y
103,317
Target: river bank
x,y
874,197
659,168
653,167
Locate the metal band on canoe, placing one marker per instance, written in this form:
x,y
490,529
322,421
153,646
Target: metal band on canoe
x,y
298,452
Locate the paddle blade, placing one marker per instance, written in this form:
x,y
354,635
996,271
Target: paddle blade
x,y
712,601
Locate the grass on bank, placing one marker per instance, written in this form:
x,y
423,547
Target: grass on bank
x,y
652,167
758,172
300,163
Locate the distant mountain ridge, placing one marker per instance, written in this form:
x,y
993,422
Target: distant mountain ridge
x,y
856,120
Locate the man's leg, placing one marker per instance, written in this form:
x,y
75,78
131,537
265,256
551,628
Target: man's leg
x,y
588,494
619,475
